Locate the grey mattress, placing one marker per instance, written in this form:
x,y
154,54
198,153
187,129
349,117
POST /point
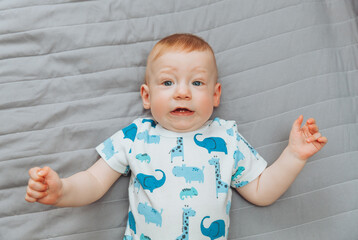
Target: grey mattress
x,y
70,72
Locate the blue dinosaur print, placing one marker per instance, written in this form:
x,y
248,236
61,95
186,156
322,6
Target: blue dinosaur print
x,y
241,184
151,121
143,157
143,237
108,149
148,138
130,131
238,156
131,222
221,186
150,214
228,206
188,192
217,120
187,212
216,229
126,171
212,144
150,182
230,132
136,184
238,172
127,237
238,137
189,173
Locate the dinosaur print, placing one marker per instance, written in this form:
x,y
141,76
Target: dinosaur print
x,y
131,222
150,182
143,157
126,171
136,184
212,144
108,149
151,121
228,206
150,214
238,172
189,173
148,138
216,120
238,156
187,212
130,131
221,186
178,150
188,192
143,237
216,229
230,132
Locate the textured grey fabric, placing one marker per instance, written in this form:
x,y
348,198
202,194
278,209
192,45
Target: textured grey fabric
x,y
70,72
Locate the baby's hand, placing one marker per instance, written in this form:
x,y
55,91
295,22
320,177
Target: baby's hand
x,y
306,141
44,186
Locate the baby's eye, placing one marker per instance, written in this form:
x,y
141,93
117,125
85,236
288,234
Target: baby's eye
x,y
167,83
197,83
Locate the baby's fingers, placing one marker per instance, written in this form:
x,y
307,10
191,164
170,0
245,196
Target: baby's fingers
x,y
313,128
322,140
314,137
317,139
37,186
310,121
39,174
30,199
33,195
33,173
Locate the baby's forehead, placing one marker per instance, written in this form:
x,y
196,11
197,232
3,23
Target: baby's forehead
x,y
157,62
202,61
156,55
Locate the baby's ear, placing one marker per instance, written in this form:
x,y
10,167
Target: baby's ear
x,y
217,94
144,92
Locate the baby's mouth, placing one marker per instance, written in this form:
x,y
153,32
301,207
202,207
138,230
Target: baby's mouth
x,y
182,111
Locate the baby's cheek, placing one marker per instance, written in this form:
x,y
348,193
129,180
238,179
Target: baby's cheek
x,y
157,110
207,106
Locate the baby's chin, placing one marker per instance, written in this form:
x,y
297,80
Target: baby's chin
x,y
182,127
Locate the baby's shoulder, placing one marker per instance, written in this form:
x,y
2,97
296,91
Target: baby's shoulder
x,y
223,124
145,122
137,126
223,127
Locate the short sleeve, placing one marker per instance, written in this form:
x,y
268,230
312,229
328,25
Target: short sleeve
x,y
116,149
248,164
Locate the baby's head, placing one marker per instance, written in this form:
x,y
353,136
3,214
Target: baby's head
x,y
181,88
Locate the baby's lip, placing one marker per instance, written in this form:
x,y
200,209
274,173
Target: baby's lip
x,y
182,111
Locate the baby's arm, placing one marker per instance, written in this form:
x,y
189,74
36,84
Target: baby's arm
x,y
276,179
80,189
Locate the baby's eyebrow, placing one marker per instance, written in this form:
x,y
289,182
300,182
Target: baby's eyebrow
x,y
199,70
168,69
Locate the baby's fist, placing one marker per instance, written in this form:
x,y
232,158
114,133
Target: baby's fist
x,y
44,186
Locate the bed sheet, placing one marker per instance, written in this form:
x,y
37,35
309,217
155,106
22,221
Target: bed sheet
x,y
70,72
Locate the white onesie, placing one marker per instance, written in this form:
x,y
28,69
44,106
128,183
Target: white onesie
x,y
180,182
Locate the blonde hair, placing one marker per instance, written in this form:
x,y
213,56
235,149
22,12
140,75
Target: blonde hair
x,y
178,42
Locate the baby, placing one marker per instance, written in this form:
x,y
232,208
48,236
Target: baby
x,y
183,165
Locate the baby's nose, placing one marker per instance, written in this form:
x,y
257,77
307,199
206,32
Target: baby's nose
x,y
183,91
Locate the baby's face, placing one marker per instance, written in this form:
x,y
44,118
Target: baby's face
x,y
181,89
